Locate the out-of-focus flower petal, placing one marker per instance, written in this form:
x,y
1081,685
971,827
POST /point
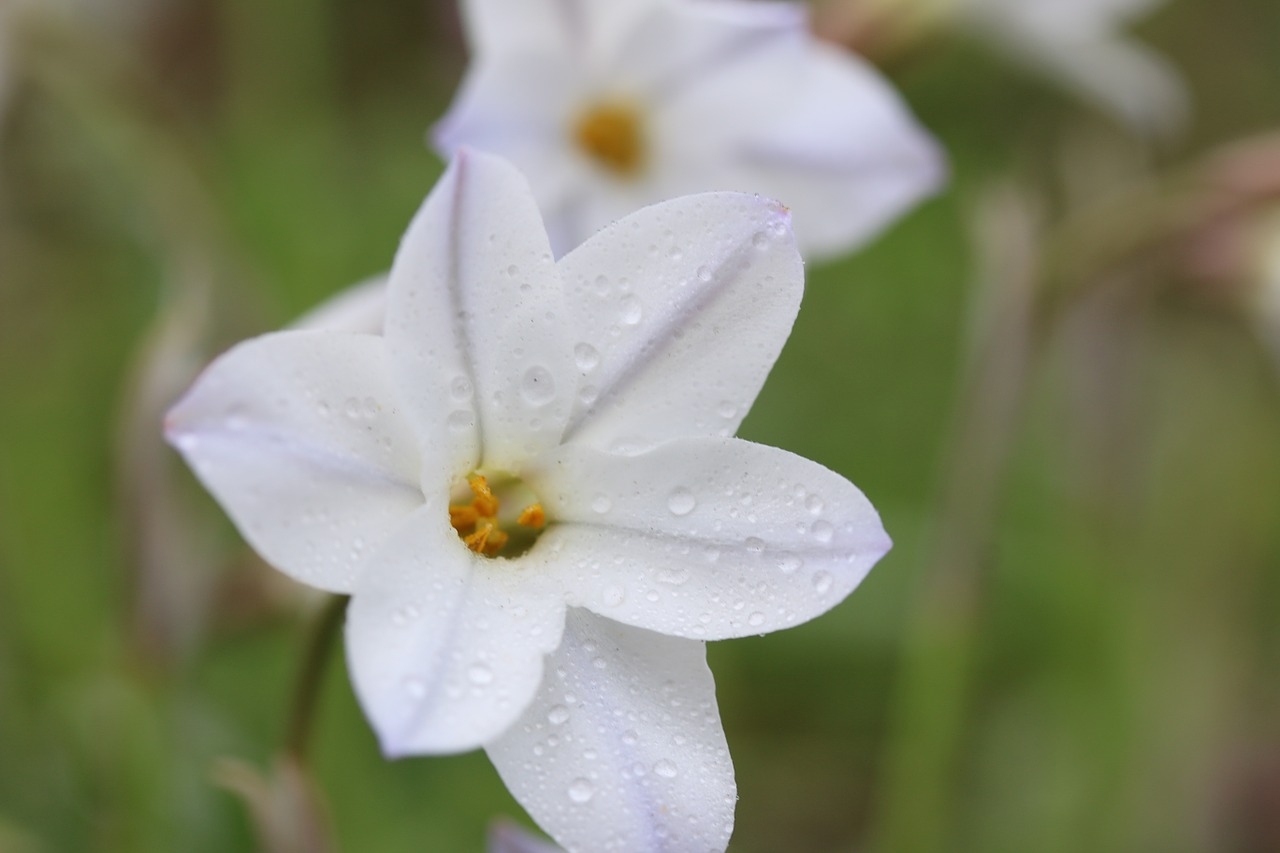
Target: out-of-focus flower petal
x,y
847,173
445,647
300,437
360,308
475,317
681,340
705,538
622,749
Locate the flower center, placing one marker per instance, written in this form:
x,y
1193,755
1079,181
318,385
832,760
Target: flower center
x,y
611,133
483,526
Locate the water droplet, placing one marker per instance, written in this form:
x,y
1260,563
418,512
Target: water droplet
x,y
704,274
602,284
351,407
822,531
790,564
681,501
673,575
759,239
558,715
613,595
754,545
630,311
513,270
581,790
480,674
755,620
629,737
666,769
727,409
600,503
460,420
814,504
461,388
538,386
822,582
587,357
589,394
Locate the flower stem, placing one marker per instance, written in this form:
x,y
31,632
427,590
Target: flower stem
x,y
306,691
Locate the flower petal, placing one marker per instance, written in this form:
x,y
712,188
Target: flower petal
x,y
475,317
445,647
845,154
361,307
706,538
507,837
581,27
302,439
622,749
682,309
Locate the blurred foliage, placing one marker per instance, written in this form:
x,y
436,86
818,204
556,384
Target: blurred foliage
x,y
1094,668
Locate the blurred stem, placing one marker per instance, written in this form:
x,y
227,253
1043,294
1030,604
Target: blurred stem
x,y
941,634
315,662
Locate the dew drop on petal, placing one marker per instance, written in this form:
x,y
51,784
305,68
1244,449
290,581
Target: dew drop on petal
x,y
681,501
600,503
558,715
537,386
704,274
814,504
822,531
754,545
822,583
461,388
666,769
586,356
581,790
460,420
790,564
479,674
727,409
755,620
613,595
630,311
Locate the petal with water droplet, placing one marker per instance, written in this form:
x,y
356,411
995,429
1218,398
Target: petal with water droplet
x,y
469,660
684,345
455,310
310,485
721,535
660,773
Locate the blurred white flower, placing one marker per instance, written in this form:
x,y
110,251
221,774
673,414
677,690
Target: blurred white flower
x,y
1080,44
609,105
529,486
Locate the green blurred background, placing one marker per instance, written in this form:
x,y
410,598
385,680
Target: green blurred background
x,y
1074,646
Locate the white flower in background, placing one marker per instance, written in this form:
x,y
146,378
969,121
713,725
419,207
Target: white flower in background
x,y
529,487
609,105
1080,44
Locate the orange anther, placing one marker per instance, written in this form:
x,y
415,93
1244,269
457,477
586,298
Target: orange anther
x,y
485,503
533,516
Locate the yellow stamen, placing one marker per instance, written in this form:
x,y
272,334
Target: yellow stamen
x,y
532,516
611,133
485,503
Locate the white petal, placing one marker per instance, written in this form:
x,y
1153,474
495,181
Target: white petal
x,y
682,310
476,318
360,308
301,437
845,154
445,647
506,837
582,28
706,538
622,750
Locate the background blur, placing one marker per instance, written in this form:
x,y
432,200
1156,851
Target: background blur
x,y
1053,382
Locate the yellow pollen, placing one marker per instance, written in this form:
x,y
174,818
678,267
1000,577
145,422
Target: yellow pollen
x,y
477,522
532,516
610,133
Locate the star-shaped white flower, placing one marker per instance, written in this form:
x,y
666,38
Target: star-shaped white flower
x,y
609,105
1080,43
529,486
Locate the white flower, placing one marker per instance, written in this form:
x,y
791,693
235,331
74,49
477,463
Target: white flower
x,y
609,105
529,487
1079,44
